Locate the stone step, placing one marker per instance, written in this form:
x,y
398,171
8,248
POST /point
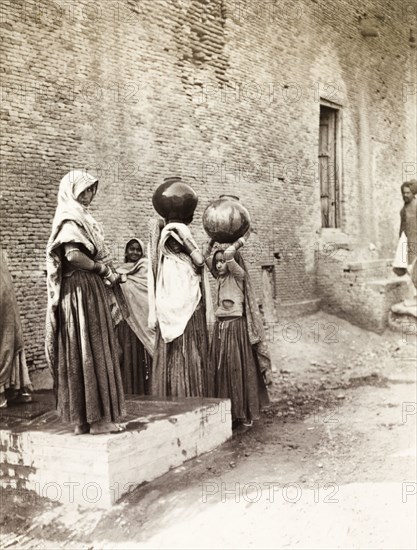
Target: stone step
x,y
364,303
383,285
369,265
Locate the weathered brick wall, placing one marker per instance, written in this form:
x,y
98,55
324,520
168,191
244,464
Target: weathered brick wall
x,y
223,91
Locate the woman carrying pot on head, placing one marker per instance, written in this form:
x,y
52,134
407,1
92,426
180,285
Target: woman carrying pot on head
x,y
180,300
84,304
136,340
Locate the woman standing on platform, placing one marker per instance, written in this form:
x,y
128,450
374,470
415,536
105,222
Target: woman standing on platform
x,y
135,338
84,304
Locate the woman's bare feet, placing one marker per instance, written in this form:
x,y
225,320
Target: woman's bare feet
x,y
102,427
21,396
82,429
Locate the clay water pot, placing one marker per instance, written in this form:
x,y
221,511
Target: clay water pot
x,y
174,200
226,219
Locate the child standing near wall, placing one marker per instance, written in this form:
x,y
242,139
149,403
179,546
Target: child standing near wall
x,y
238,346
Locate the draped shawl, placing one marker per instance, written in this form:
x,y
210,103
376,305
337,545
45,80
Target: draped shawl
x,y
13,367
174,284
255,326
73,223
135,291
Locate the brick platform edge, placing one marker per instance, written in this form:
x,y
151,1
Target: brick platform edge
x,y
96,471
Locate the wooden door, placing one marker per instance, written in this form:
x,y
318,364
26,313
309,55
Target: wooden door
x,y
329,187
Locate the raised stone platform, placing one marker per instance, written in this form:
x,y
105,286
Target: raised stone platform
x,y
362,292
43,455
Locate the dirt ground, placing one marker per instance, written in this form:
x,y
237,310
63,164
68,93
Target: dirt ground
x,y
331,463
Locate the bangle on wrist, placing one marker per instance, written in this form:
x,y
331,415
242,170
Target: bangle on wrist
x,y
99,268
105,271
197,258
190,246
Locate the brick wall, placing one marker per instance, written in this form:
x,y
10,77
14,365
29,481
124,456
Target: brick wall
x,y
221,91
361,292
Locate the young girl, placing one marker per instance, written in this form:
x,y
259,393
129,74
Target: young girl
x,y
238,339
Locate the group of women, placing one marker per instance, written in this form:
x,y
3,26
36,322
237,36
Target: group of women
x,y
145,327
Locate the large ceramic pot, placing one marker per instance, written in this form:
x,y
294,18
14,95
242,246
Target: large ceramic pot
x,y
226,219
174,200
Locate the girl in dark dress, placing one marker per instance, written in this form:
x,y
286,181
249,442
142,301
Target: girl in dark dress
x,y
238,353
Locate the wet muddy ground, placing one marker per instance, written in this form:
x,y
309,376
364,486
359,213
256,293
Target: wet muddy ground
x,y
331,463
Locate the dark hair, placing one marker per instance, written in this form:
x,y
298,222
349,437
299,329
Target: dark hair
x,y
412,184
127,246
407,184
172,244
217,253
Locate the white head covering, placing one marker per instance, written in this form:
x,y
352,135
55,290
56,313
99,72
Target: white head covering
x,y
82,228
178,290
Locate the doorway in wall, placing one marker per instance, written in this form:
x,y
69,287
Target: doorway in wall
x,y
330,164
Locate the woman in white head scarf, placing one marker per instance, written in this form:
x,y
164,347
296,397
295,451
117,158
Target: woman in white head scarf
x,y
80,342
181,309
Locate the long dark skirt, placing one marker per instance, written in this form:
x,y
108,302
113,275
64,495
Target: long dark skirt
x,y
135,361
236,369
180,367
89,385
